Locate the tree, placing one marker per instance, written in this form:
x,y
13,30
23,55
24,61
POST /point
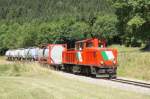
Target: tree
x,y
105,27
133,18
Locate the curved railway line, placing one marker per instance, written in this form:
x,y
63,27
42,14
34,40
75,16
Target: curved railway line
x,y
132,85
132,82
120,80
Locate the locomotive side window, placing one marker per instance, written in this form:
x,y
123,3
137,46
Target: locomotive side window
x,y
89,44
79,46
102,44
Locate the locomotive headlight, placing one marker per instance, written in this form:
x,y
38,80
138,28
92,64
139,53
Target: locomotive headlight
x,y
114,62
102,62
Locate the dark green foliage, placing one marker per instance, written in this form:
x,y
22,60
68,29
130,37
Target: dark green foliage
x,y
133,20
25,23
105,26
26,10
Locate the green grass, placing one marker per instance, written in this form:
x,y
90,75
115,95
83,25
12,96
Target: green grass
x,y
31,81
21,69
133,63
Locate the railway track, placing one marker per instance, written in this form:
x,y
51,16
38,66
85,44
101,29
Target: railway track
x,y
131,82
125,81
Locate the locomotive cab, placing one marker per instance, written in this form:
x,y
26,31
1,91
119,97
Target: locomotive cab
x,y
90,43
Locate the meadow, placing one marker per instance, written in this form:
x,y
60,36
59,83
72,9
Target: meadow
x,y
32,81
133,62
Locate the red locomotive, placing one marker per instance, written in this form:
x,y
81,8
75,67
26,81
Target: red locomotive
x,y
91,57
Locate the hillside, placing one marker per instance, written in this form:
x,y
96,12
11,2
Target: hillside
x,y
50,9
34,22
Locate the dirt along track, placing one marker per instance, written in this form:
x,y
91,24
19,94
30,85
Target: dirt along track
x,y
110,83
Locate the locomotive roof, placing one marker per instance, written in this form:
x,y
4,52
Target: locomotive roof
x,y
86,40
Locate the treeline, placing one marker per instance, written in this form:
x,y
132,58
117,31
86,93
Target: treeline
x,y
15,35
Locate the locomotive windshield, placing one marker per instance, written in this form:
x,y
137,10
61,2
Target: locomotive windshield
x,y
101,43
79,46
89,44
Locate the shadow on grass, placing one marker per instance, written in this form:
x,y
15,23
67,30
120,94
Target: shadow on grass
x,y
146,48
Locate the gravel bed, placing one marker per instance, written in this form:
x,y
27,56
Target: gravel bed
x,y
107,83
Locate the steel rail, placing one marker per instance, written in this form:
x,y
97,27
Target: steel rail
x,y
132,82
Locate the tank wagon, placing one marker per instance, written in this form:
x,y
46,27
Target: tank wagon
x,y
32,53
11,54
22,54
52,54
7,54
89,57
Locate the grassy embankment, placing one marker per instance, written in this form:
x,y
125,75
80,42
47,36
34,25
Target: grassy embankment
x,y
31,81
133,63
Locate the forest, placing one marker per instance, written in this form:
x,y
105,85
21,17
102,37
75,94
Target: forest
x,y
27,23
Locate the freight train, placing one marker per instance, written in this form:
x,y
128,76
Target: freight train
x,y
89,57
